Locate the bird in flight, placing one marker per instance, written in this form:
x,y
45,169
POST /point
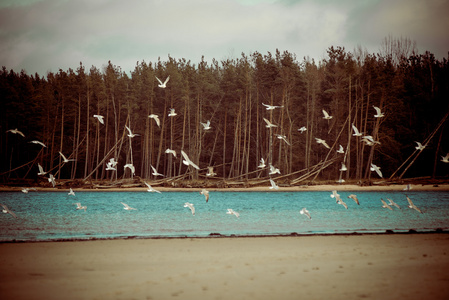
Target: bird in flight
x,y
273,185
6,210
151,189
65,159
326,115
274,170
210,172
419,147
156,119
377,169
190,205
71,192
269,124
232,212
343,167
155,172
187,161
356,131
16,131
38,143
100,118
26,190
51,179
305,212
341,150
392,203
41,170
271,107
172,112
262,163
302,129
206,126
284,138
130,133
323,142
79,206
131,167
127,207
413,206
445,159
163,85
168,151
354,197
205,193
385,205
378,114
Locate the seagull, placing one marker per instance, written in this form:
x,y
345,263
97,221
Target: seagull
x,y
39,143
41,170
51,179
341,150
304,211
356,131
205,193
343,167
172,113
100,118
420,147
323,142
284,138
302,129
392,203
274,170
445,159
156,118
127,207
273,185
369,140
26,190
262,163
65,158
271,107
130,133
112,162
110,167
190,205
411,205
171,151
408,187
187,161
16,131
338,199
206,126
232,212
210,172
71,192
131,167
326,115
378,114
6,210
377,169
269,124
163,85
78,206
385,205
155,172
354,197
151,189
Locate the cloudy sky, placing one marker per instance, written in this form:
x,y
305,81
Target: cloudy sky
x,y
48,35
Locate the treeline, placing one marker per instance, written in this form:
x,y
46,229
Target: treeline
x,y
411,91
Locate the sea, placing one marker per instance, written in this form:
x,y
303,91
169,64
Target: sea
x,y
52,216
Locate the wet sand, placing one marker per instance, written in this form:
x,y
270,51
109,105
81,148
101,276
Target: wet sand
x,y
397,266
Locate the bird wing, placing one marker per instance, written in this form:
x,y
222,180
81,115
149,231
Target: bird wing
x,y
166,80
159,80
326,115
125,205
377,110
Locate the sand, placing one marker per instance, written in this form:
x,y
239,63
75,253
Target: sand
x,y
383,266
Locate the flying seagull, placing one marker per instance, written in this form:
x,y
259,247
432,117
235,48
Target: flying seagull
x,y
326,115
190,205
323,142
284,138
156,118
420,147
41,170
71,192
413,206
271,107
445,159
172,113
16,131
304,211
131,167
65,159
38,143
408,187
269,124
354,197
206,126
385,205
155,172
356,131
274,170
302,129
232,212
151,189
78,206
343,167
187,161
100,118
130,133
26,190
205,193
127,207
262,163
377,169
392,203
6,210
273,185
163,85
210,172
51,179
171,151
378,114
341,150
338,199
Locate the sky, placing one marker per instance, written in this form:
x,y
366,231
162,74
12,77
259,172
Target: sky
x,y
47,35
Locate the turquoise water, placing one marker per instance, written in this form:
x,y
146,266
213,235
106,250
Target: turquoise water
x,y
52,215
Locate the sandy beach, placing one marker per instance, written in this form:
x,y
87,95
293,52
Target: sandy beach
x,y
397,266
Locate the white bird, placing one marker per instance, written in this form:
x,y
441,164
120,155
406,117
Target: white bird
x,y
413,206
369,140
26,190
420,147
273,185
232,212
274,170
210,172
271,107
205,193
155,172
378,114
377,169
172,112
51,179
323,142
163,85
6,210
65,159
100,118
156,119
408,187
302,129
284,138
127,207
168,151
110,167
38,143
78,206
445,159
340,180
341,150
343,167
131,167
326,115
151,189
262,163
338,199
392,203
206,126
354,197
113,162
385,205
16,131
305,212
341,202
71,192
356,131
130,133
187,161
190,205
41,170
269,124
